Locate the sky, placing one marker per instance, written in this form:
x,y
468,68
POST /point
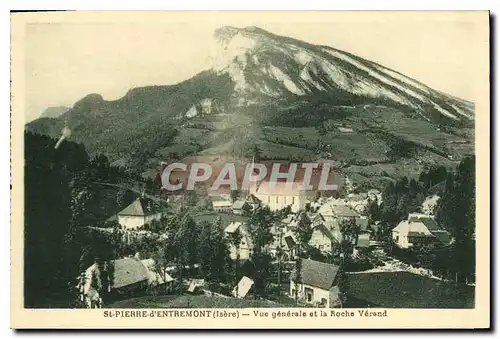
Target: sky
x,y
68,57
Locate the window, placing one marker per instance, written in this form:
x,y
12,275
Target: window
x,y
293,200
268,199
323,301
276,199
309,294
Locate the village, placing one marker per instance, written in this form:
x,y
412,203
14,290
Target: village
x,y
285,248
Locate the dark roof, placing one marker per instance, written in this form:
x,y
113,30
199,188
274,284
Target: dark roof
x,y
128,271
252,199
141,207
325,231
317,274
420,235
442,235
114,217
290,242
430,223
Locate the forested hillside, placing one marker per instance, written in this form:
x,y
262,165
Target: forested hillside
x,y
61,197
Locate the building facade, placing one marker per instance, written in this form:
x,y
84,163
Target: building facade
x,y
317,284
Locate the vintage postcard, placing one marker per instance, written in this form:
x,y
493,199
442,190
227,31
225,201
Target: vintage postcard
x,y
250,170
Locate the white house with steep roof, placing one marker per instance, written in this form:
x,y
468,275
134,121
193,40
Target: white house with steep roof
x,y
419,229
317,283
140,212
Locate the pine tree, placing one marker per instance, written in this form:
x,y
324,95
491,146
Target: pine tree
x,y
303,231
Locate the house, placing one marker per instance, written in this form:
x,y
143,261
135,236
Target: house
x,y
224,206
289,223
334,212
250,202
241,290
321,238
419,229
140,212
244,249
317,283
278,195
128,276
156,277
196,285
287,242
362,242
239,206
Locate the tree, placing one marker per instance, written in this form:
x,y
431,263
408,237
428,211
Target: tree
x,y
164,257
343,284
184,243
260,224
213,252
247,210
455,211
349,230
303,231
235,194
298,277
373,211
260,272
124,197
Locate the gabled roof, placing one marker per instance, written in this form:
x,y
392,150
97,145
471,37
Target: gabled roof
x,y
238,204
442,235
155,276
140,207
195,283
128,271
317,274
344,211
316,219
337,208
252,199
233,227
417,228
322,228
243,287
290,241
427,220
114,217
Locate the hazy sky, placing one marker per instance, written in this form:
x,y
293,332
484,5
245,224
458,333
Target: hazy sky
x,y
64,61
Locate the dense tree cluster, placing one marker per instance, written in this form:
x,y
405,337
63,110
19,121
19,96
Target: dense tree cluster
x,y
61,197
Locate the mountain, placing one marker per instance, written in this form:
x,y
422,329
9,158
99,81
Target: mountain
x,y
283,99
54,112
261,63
